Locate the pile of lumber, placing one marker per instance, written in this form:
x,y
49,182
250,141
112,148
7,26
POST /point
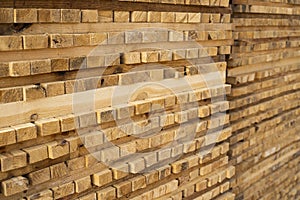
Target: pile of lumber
x,y
114,99
126,99
264,71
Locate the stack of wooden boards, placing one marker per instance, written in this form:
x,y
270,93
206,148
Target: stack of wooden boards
x,y
57,56
125,99
264,103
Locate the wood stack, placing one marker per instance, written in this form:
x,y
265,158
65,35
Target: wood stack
x,y
264,71
56,144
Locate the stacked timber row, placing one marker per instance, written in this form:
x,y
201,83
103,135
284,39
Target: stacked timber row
x,y
114,100
264,71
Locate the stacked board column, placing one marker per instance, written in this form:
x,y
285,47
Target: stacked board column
x,y
264,72
114,100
